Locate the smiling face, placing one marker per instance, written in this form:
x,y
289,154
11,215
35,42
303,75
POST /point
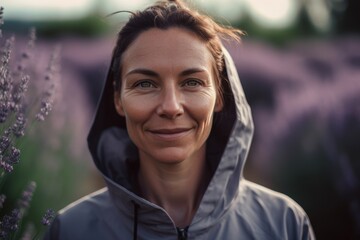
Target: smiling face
x,y
168,94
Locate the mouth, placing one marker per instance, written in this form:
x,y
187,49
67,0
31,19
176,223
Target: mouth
x,y
170,133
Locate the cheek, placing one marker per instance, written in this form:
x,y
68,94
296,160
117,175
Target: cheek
x,y
134,111
202,108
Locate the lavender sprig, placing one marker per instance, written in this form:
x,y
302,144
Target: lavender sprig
x,y
5,81
12,97
26,54
9,224
13,121
24,201
48,217
1,19
5,141
2,200
47,100
18,128
18,94
8,161
9,154
5,77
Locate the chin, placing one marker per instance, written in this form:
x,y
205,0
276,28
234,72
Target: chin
x,y
170,155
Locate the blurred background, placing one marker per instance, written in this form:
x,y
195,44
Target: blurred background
x,y
299,64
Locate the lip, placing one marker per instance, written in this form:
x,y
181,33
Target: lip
x,y
170,134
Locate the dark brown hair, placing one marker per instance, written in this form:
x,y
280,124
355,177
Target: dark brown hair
x,y
173,13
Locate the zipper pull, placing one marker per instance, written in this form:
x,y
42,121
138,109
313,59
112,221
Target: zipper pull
x,y
182,233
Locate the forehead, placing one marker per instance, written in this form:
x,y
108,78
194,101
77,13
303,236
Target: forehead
x,y
173,48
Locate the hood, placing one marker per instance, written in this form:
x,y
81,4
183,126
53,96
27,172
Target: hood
x,y
227,147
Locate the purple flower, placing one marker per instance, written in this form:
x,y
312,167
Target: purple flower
x,y
4,111
10,223
9,155
1,19
5,81
18,128
32,37
48,217
26,54
49,95
2,200
46,107
14,155
5,141
18,93
5,58
24,202
6,166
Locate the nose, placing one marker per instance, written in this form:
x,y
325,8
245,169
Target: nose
x,y
170,103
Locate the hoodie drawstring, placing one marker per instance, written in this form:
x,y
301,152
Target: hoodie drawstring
x,y
136,207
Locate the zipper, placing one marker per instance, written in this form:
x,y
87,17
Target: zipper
x,y
182,233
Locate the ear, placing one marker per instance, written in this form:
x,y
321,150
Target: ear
x,y
219,104
118,103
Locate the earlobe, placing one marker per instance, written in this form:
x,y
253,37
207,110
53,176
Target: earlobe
x,y
118,104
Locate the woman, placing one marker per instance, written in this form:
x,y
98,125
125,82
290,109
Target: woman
x,y
171,136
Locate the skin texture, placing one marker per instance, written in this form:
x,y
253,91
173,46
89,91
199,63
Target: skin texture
x,y
168,97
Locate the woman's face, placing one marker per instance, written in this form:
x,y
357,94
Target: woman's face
x,y
168,94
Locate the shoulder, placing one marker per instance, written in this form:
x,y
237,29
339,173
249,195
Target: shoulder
x,y
265,197
274,212
77,220
87,209
91,202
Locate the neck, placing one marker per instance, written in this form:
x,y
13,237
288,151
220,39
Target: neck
x,y
177,187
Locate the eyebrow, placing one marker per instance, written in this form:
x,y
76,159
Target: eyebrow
x,y
151,73
143,71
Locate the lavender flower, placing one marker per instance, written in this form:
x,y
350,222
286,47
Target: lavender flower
x,y
5,81
24,202
14,155
48,96
6,162
48,217
4,70
6,166
12,100
18,129
10,223
14,83
46,107
18,94
2,200
5,141
8,155
32,38
30,44
26,54
1,19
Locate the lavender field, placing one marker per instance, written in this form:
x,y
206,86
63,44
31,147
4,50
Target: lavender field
x,y
305,98
306,104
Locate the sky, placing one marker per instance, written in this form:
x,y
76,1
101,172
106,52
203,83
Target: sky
x,y
272,13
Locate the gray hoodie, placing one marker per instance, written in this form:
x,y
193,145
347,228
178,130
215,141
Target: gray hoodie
x,y
231,208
